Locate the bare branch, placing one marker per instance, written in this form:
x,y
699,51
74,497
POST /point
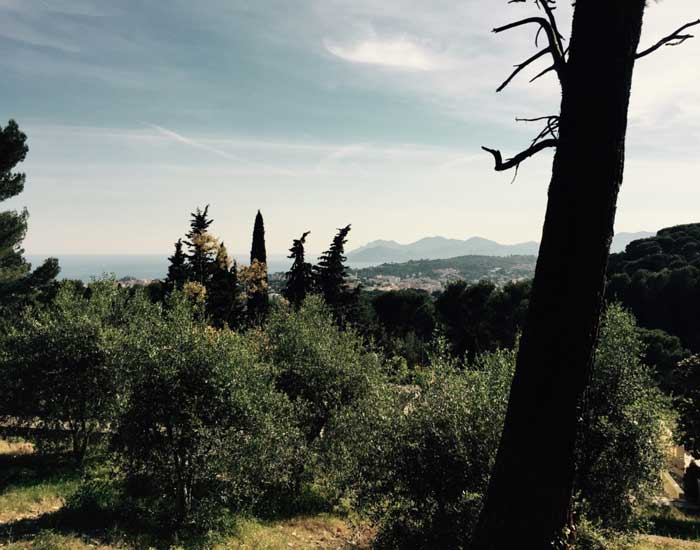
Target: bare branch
x,y
555,48
514,162
549,6
521,67
673,39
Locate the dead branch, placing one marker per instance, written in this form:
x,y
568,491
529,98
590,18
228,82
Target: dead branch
x,y
673,39
514,162
555,48
521,66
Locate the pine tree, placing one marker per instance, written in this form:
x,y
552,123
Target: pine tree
x,y
178,271
300,277
202,246
258,301
18,284
331,278
224,297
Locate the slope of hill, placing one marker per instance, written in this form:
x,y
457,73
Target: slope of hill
x,y
432,248
433,274
658,278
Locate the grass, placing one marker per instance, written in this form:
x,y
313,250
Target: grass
x,y
304,533
46,540
34,488
674,523
30,485
655,542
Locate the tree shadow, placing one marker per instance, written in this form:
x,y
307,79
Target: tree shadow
x,y
684,525
30,469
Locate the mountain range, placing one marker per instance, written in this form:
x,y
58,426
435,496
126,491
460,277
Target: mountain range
x,y
434,248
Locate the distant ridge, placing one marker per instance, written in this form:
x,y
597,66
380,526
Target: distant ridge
x,y
436,248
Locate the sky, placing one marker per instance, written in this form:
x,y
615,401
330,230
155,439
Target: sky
x,y
319,113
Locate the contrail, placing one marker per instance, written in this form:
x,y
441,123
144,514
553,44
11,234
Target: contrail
x,y
204,147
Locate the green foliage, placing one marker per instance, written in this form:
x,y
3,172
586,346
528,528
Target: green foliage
x,y
468,268
658,279
418,457
321,368
688,401
224,298
622,448
257,249
259,300
300,278
406,323
177,270
55,365
664,352
202,426
201,256
481,317
19,285
331,279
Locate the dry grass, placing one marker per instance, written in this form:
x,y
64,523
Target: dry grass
x,y
15,447
26,491
47,540
321,532
653,542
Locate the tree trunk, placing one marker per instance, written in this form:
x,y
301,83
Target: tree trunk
x,y
528,504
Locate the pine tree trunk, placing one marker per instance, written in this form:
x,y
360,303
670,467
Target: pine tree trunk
x,y
528,504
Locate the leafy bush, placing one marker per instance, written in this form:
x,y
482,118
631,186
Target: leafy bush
x,y
418,458
54,366
622,448
688,401
320,367
202,426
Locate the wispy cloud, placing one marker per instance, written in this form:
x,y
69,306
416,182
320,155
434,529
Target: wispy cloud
x,y
399,53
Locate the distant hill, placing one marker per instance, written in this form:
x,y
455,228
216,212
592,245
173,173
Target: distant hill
x,y
469,268
434,248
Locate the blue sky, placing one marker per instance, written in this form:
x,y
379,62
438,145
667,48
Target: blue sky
x,y
318,112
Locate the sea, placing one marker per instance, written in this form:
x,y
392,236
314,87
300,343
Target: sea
x,y
87,267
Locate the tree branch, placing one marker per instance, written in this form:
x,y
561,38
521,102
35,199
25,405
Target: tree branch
x,y
514,162
673,39
555,48
521,67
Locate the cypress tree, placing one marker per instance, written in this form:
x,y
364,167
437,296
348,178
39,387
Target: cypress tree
x,y
202,248
18,284
257,250
331,277
300,277
258,301
177,270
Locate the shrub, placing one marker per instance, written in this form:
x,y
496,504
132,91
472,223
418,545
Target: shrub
x,y
622,449
418,458
54,366
320,367
202,427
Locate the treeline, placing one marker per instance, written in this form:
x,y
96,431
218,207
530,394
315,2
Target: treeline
x,y
239,296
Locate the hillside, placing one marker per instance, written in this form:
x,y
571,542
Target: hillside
x,y
433,274
658,278
432,248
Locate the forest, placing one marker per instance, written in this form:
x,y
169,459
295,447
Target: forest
x,y
209,409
